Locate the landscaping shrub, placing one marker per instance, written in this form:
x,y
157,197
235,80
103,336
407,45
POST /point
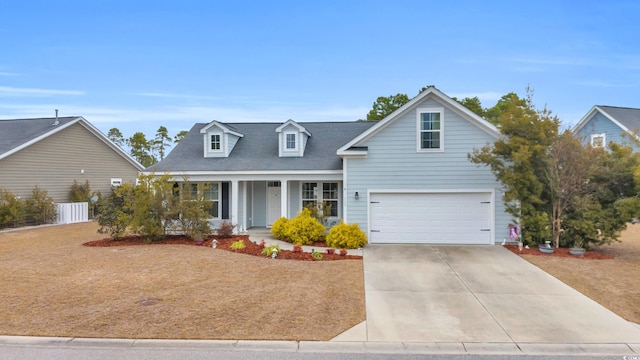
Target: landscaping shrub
x,y
346,236
278,228
40,207
80,192
114,211
225,229
12,210
303,229
316,255
238,245
268,251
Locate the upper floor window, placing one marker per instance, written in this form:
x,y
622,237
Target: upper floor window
x,y
598,140
290,140
215,142
430,129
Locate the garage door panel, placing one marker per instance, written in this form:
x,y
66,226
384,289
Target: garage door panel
x,y
447,218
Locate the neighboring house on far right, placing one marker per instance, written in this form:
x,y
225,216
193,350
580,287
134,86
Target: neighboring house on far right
x,y
605,124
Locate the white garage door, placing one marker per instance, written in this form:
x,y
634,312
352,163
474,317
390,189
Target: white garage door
x,y
437,218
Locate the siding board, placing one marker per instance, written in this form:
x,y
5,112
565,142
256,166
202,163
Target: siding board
x,y
56,161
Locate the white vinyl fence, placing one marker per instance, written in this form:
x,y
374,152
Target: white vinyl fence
x,y
72,212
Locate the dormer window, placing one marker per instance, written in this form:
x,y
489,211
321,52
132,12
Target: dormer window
x,y
219,139
291,141
215,142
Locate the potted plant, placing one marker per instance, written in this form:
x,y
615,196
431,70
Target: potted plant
x,y
546,248
577,249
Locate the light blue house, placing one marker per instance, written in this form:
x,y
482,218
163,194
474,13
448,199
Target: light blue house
x,y
605,124
404,179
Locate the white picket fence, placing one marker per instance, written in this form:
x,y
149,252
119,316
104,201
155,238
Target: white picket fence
x,y
72,212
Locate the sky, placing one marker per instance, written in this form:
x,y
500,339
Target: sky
x,y
139,65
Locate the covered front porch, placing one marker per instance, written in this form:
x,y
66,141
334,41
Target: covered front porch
x,y
257,202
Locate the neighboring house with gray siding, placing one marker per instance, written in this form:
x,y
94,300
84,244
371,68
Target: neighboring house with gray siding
x,y
53,152
605,124
404,179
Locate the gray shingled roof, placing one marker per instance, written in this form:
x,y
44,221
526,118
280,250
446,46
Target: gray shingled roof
x,y
258,149
629,117
16,132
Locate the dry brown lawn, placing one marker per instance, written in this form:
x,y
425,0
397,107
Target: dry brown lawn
x,y
613,283
51,285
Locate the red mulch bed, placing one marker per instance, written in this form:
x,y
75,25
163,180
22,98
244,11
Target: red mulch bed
x,y
559,252
251,248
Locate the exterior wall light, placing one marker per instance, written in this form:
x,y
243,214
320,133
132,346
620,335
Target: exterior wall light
x,y
357,196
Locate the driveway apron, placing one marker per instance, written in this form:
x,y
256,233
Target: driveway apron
x,y
444,293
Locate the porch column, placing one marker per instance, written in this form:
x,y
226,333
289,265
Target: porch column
x,y
234,204
244,205
284,196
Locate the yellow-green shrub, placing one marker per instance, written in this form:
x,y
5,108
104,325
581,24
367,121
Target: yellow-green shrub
x,y
278,228
303,229
345,236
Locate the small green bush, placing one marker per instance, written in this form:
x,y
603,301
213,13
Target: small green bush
x,y
346,236
316,255
303,229
238,245
278,228
40,207
12,210
268,251
80,192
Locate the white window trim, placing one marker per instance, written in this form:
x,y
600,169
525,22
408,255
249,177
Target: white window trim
x,y
319,196
211,142
295,139
200,185
419,131
595,136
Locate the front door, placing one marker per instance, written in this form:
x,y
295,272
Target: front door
x,y
273,203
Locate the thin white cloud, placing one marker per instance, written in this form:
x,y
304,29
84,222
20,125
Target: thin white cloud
x,y
175,118
176,96
2,73
605,84
8,91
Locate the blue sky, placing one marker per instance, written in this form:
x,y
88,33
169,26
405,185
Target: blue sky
x,y
137,65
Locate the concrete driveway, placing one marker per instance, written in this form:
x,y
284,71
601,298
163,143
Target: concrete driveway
x,y
426,293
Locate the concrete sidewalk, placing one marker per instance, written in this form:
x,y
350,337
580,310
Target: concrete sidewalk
x,y
477,294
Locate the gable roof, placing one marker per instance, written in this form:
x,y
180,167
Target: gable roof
x,y
627,119
224,127
295,124
353,148
18,134
257,151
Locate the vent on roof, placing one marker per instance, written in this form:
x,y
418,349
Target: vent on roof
x,y
56,123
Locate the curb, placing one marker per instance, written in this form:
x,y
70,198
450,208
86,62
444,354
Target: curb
x,y
361,347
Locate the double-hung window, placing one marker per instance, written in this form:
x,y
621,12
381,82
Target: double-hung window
x,y
430,130
209,191
215,142
290,141
598,140
212,194
321,192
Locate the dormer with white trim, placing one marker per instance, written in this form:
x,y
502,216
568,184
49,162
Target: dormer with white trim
x,y
219,139
292,139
